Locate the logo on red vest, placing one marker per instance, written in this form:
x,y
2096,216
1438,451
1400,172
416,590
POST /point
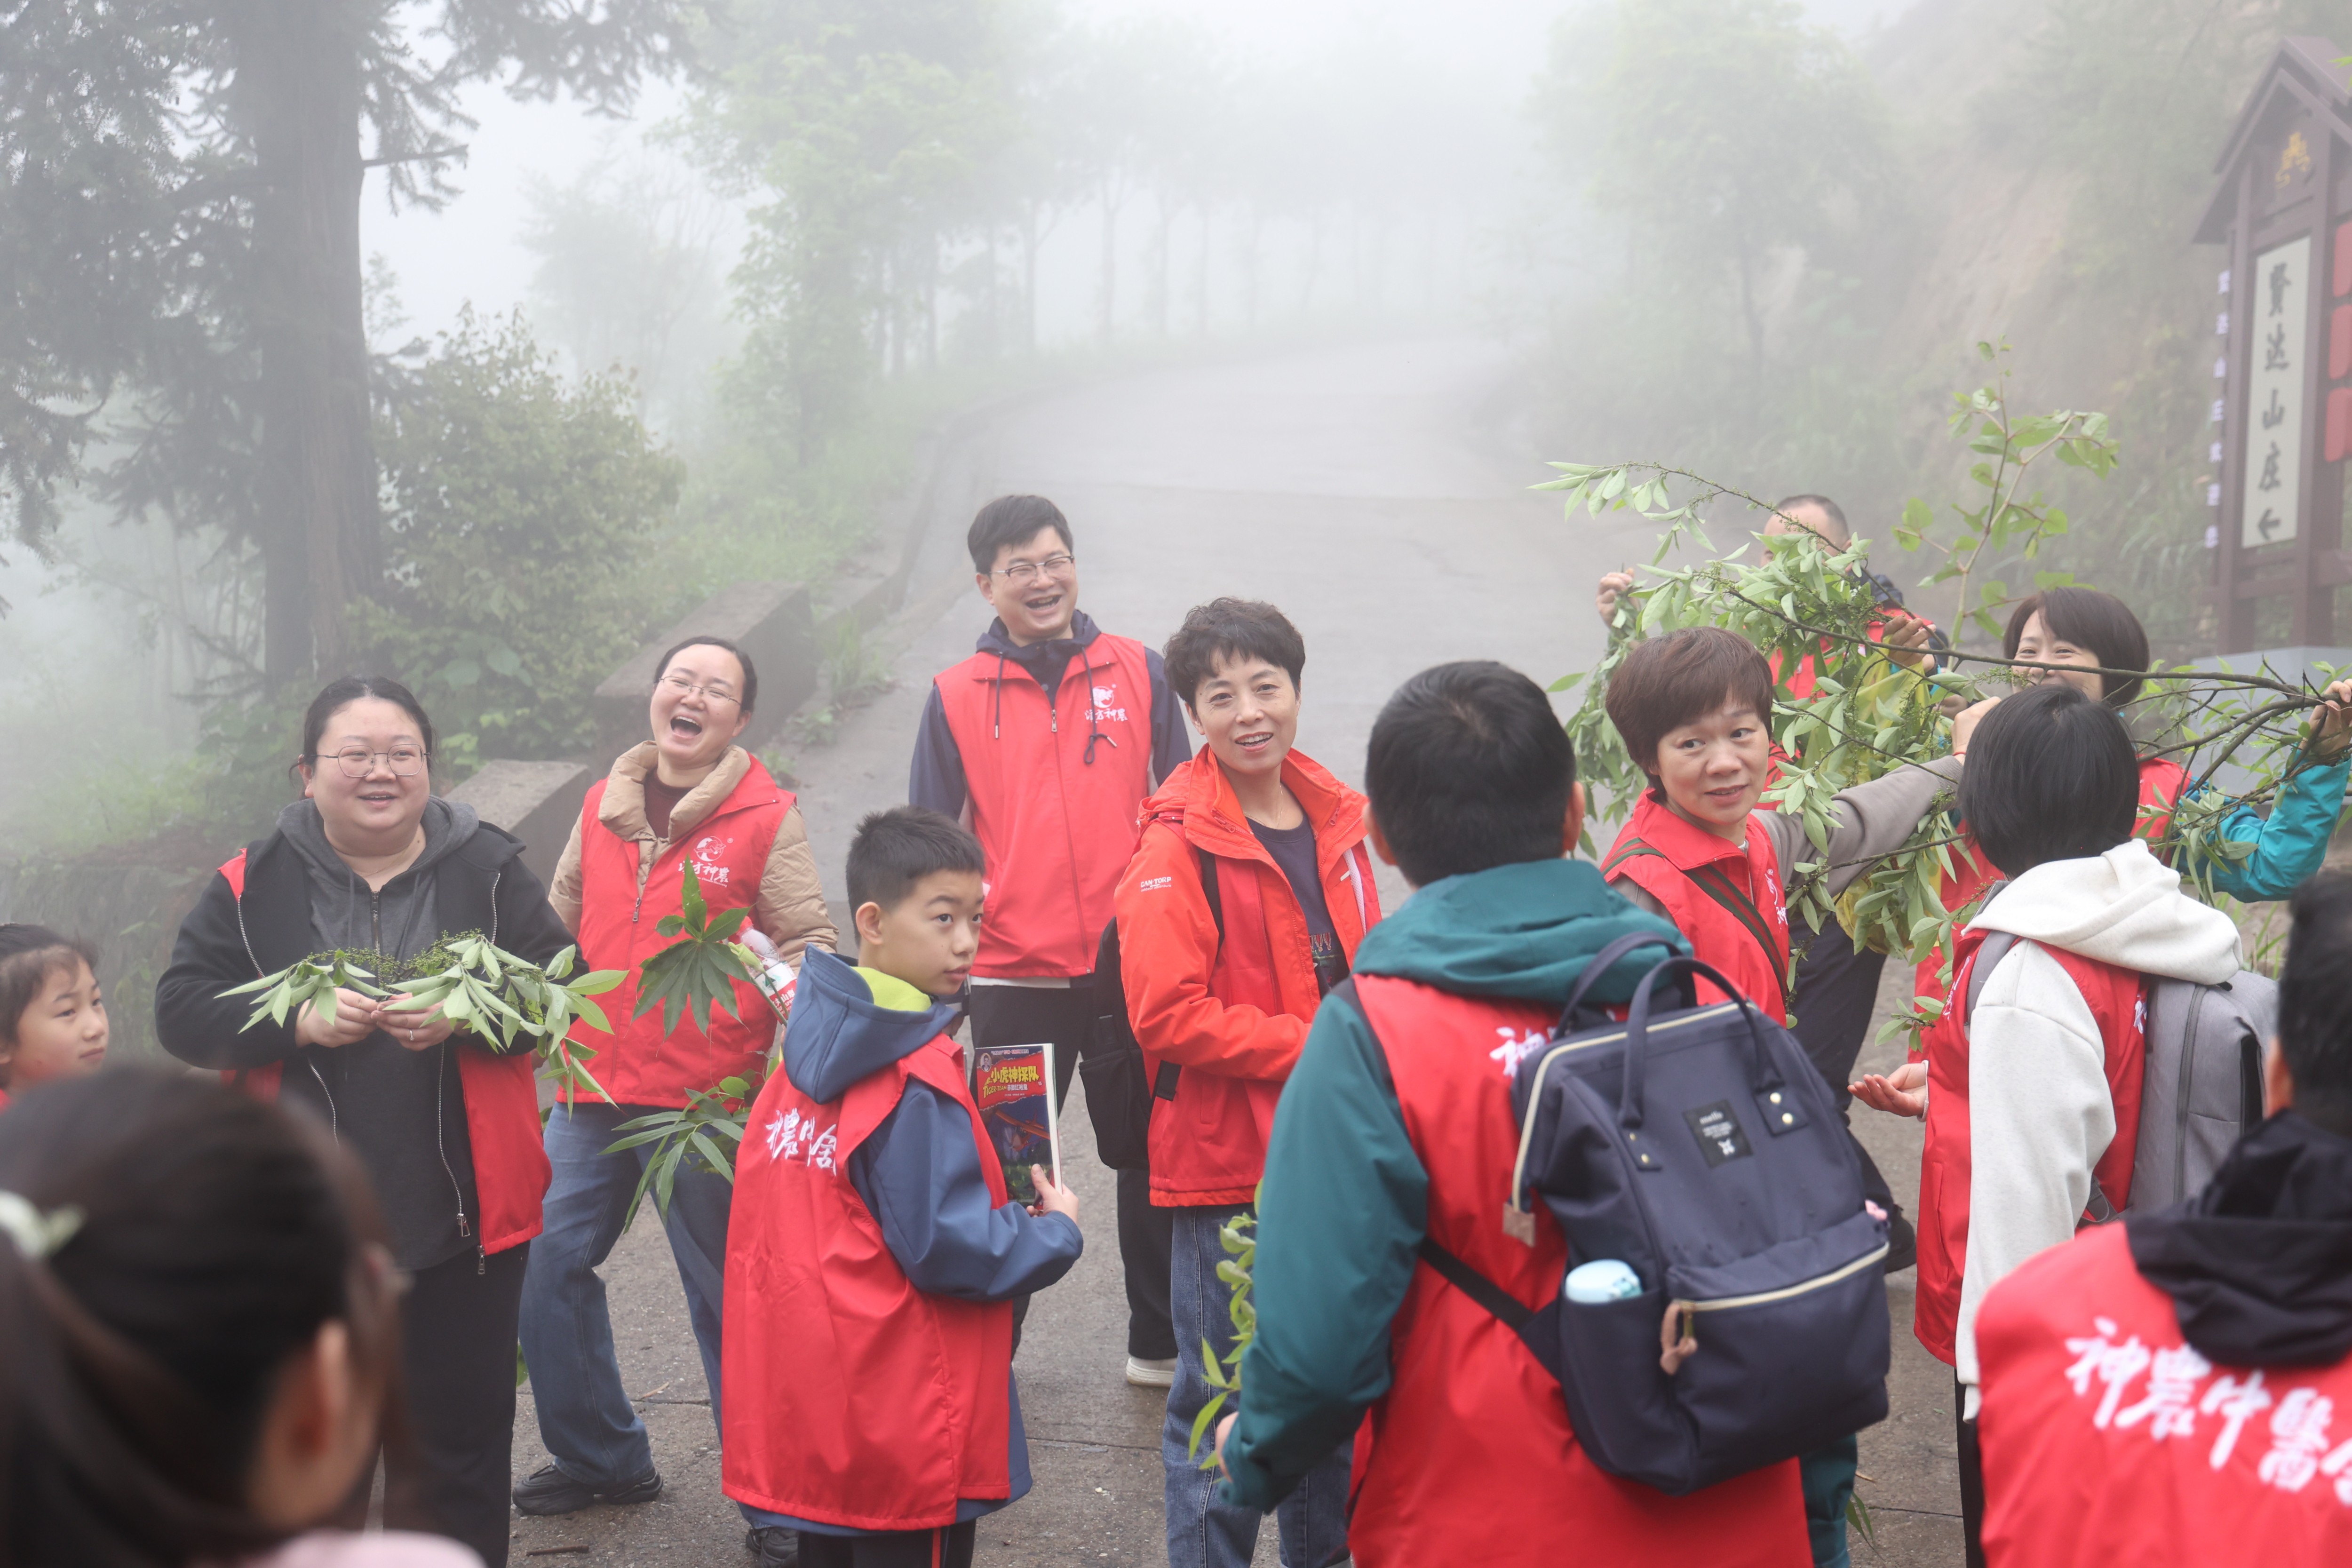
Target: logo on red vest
x,y
1104,697
1516,1047
709,864
792,1136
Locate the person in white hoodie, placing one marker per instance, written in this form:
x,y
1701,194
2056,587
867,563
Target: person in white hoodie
x,y
2031,1093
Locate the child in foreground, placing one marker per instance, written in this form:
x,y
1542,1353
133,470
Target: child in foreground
x,y
1396,1127
52,1019
873,1254
199,1311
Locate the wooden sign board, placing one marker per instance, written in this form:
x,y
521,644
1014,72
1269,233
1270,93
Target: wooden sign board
x,y
2283,423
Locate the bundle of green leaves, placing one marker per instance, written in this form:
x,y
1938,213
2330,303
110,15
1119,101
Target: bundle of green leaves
x,y
476,984
1239,1239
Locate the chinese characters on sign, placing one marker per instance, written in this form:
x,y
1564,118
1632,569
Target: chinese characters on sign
x,y
2272,470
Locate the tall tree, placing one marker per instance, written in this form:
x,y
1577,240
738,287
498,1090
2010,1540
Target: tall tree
x,y
180,188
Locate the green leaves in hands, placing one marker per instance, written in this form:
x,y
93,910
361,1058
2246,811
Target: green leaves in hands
x,y
312,981
699,969
708,1130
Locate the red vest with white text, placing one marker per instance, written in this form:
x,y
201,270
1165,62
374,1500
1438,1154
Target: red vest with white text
x,y
849,1396
2107,1439
1055,786
1470,1457
2115,996
637,1063
1725,897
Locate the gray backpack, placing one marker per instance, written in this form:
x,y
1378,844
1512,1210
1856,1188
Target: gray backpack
x,y
2201,1089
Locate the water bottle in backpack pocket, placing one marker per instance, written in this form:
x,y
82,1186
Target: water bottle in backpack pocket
x,y
1700,1148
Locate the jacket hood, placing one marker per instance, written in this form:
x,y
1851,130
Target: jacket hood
x,y
996,640
839,1032
449,825
2259,1265
1198,800
1524,931
404,917
2124,908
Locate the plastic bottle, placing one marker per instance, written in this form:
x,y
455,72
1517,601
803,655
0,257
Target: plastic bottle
x,y
1602,1280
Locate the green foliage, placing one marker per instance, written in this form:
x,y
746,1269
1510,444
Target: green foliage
x,y
1239,1239
1867,714
521,515
475,985
693,1133
702,967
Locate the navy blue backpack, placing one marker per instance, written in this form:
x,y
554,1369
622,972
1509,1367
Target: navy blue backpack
x,y
1698,1146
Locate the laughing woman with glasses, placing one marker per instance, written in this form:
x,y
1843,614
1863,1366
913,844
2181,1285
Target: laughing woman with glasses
x,y
371,860
689,797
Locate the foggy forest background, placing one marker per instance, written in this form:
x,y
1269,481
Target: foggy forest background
x,y
697,285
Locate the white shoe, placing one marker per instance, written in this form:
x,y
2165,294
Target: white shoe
x,y
1145,1373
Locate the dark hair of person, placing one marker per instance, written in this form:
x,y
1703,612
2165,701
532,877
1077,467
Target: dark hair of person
x,y
1468,769
1010,520
1680,678
2100,624
2314,1001
337,695
29,955
2051,777
215,1235
896,849
750,677
1230,629
1843,533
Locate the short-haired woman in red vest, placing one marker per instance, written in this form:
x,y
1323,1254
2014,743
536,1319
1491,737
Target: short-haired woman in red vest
x,y
369,858
688,797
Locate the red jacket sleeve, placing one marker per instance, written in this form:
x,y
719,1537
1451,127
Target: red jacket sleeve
x,y
1168,951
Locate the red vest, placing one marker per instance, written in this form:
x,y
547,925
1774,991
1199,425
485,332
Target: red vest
x,y
637,1063
1055,788
2160,786
849,1396
501,1092
1725,897
1469,1458
2113,995
2106,1439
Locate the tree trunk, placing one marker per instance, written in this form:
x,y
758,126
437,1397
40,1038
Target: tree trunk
x,y
1029,243
1755,321
1104,328
298,74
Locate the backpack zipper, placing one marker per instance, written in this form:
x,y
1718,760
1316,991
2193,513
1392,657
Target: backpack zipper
x,y
1787,1292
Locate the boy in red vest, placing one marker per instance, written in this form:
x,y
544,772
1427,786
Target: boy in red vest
x,y
2176,1389
873,1254
1695,709
1396,1127
2033,1091
1045,742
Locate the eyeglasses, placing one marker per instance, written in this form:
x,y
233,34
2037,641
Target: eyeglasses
x,y
683,689
1027,571
358,761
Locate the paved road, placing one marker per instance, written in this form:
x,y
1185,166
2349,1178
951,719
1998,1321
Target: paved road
x,y
1364,491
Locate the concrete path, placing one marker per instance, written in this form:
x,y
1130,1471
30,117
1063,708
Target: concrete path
x,y
1363,492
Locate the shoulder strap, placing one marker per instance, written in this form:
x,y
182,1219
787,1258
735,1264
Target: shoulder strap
x,y
1634,850
1988,953
1512,1312
1209,891
1732,897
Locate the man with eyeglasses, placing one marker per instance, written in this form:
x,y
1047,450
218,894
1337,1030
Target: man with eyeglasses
x,y
688,797
1046,741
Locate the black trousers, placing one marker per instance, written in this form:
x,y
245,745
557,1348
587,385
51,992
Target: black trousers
x,y
1837,989
1972,1498
1024,1015
949,1548
455,1474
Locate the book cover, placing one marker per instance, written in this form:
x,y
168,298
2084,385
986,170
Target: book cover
x,y
1013,1087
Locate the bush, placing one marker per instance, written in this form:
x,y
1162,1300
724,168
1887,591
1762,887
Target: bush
x,y
524,524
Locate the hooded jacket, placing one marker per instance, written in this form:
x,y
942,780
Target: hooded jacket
x,y
1386,1136
1230,1012
872,1258
2171,1389
276,902
2040,1105
1045,752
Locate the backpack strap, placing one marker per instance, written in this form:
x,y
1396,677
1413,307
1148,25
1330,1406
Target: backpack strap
x,y
1988,953
1163,1080
1508,1308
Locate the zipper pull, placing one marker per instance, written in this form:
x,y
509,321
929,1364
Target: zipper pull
x,y
464,1227
481,1261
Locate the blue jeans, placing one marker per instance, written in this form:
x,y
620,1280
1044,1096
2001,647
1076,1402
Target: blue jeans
x,y
591,1427
1202,1532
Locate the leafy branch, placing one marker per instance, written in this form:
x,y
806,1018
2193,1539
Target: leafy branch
x,y
1239,1238
702,967
710,1115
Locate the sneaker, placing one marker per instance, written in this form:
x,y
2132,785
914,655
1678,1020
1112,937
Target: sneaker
x,y
549,1491
1144,1372
774,1546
